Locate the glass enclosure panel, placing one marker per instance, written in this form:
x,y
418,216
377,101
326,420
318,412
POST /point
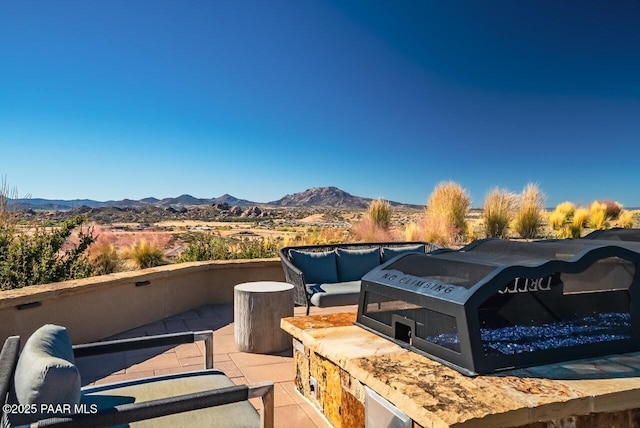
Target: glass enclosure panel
x,y
559,311
431,326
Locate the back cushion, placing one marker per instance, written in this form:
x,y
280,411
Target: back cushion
x,y
318,267
390,252
353,264
46,373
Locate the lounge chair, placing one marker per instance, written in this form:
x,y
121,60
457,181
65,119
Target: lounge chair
x,y
41,386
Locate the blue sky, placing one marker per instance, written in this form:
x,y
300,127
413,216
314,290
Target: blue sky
x,y
129,99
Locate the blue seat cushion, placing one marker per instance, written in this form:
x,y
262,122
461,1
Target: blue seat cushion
x,y
353,264
317,267
390,252
337,294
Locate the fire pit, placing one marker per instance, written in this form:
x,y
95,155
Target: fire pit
x,y
497,305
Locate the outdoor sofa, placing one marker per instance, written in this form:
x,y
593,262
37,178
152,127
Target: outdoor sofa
x,y
329,275
41,386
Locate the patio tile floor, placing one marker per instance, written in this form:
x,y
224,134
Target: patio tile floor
x,y
292,410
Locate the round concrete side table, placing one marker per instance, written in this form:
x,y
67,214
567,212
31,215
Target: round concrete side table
x,y
257,310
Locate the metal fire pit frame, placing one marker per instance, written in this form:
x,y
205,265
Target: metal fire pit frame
x,y
505,262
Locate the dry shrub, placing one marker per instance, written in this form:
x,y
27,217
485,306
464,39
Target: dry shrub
x,y
499,206
625,219
369,230
440,231
104,258
103,253
567,208
374,226
529,214
581,217
318,236
598,215
556,220
144,254
379,212
413,232
612,208
445,214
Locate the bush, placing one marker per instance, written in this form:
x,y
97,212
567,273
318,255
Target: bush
x,y
413,232
567,208
598,215
625,219
144,254
369,231
202,247
581,217
498,212
104,258
43,255
529,214
446,211
556,220
613,209
379,212
375,224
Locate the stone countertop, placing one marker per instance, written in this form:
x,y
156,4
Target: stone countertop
x,y
435,395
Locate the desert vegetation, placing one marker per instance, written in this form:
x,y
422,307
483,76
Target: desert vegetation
x,y
51,246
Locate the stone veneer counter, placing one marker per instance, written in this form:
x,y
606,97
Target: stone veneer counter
x,y
343,357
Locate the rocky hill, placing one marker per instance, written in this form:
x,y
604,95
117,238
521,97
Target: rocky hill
x,y
320,197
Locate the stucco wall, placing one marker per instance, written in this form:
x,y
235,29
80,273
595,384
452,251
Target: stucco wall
x,y
95,308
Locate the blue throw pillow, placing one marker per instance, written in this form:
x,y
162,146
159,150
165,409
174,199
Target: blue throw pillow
x,y
353,264
390,252
318,267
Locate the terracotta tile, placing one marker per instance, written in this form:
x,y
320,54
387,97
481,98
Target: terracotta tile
x,y
125,376
224,311
183,369
186,315
163,361
239,380
292,417
282,398
244,359
280,372
290,388
188,350
175,326
101,365
225,329
314,414
229,368
208,323
224,345
155,328
220,357
147,352
192,361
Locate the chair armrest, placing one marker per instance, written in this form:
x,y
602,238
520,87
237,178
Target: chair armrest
x,y
8,362
120,345
126,413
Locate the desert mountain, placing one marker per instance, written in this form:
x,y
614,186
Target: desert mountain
x,y
322,197
315,197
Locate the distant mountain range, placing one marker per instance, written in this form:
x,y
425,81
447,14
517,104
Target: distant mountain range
x,y
328,197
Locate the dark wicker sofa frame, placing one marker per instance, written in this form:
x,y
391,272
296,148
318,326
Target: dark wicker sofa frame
x,y
295,276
